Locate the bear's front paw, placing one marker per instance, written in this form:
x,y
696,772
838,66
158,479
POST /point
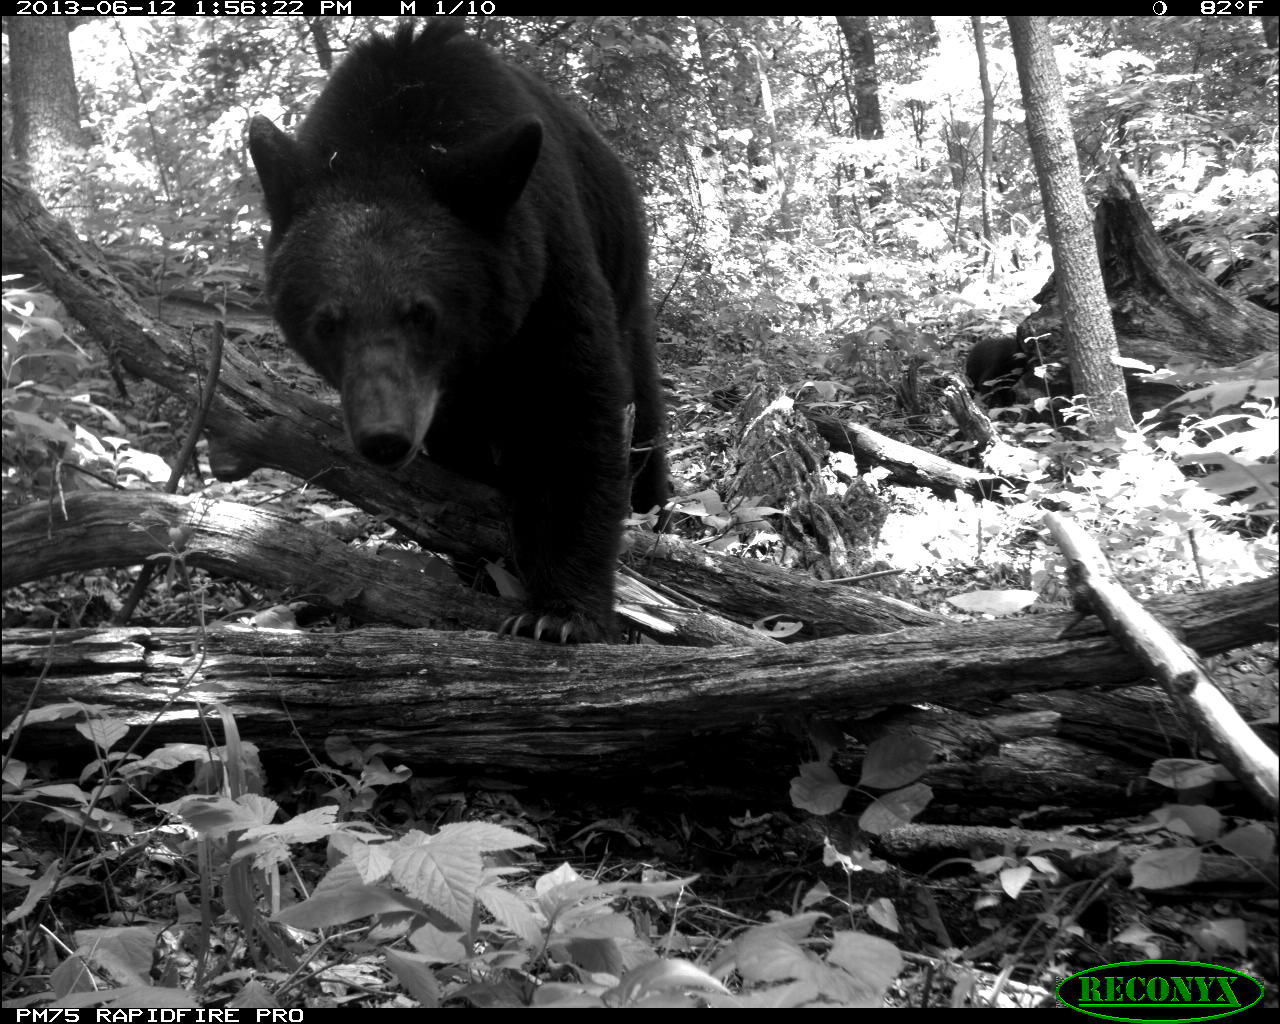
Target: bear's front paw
x,y
554,627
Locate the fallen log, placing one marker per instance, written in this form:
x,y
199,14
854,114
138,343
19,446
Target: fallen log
x,y
93,529
1169,661
908,466
1077,856
465,699
102,529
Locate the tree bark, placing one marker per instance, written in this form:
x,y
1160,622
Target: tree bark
x,y
867,123
46,114
867,120
1089,859
1090,336
988,132
97,529
1165,311
718,598
445,698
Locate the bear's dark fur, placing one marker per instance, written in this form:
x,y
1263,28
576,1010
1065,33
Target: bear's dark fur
x,y
459,253
996,367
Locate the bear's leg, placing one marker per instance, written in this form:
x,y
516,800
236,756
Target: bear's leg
x,y
564,468
566,529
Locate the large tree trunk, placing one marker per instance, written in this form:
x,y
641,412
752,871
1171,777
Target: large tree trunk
x,y
47,137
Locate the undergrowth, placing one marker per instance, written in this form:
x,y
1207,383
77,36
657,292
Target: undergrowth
x,y
457,914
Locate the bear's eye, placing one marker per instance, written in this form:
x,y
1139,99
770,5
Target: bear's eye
x,y
327,324
421,317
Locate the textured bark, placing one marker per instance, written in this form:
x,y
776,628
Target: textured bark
x,y
465,699
1164,310
1091,340
709,600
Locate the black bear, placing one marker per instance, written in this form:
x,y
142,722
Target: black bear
x,y
996,366
459,253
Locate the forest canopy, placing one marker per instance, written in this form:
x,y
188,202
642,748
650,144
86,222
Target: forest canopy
x,y
795,187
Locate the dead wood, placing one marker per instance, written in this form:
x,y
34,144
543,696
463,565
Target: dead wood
x,y
1077,856
1056,756
97,529
1176,668
1141,723
717,598
1005,466
470,700
1165,311
986,767
908,466
1009,465
744,591
826,521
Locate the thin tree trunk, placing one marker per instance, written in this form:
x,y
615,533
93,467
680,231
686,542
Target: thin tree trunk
x,y
1090,336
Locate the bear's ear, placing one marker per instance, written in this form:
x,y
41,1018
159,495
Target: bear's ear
x,y
280,166
484,178
514,151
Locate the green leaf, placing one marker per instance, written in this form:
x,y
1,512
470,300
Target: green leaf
x,y
817,789
895,760
895,809
415,975
1166,869
335,907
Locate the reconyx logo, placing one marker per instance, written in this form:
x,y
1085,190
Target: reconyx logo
x,y
1163,990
